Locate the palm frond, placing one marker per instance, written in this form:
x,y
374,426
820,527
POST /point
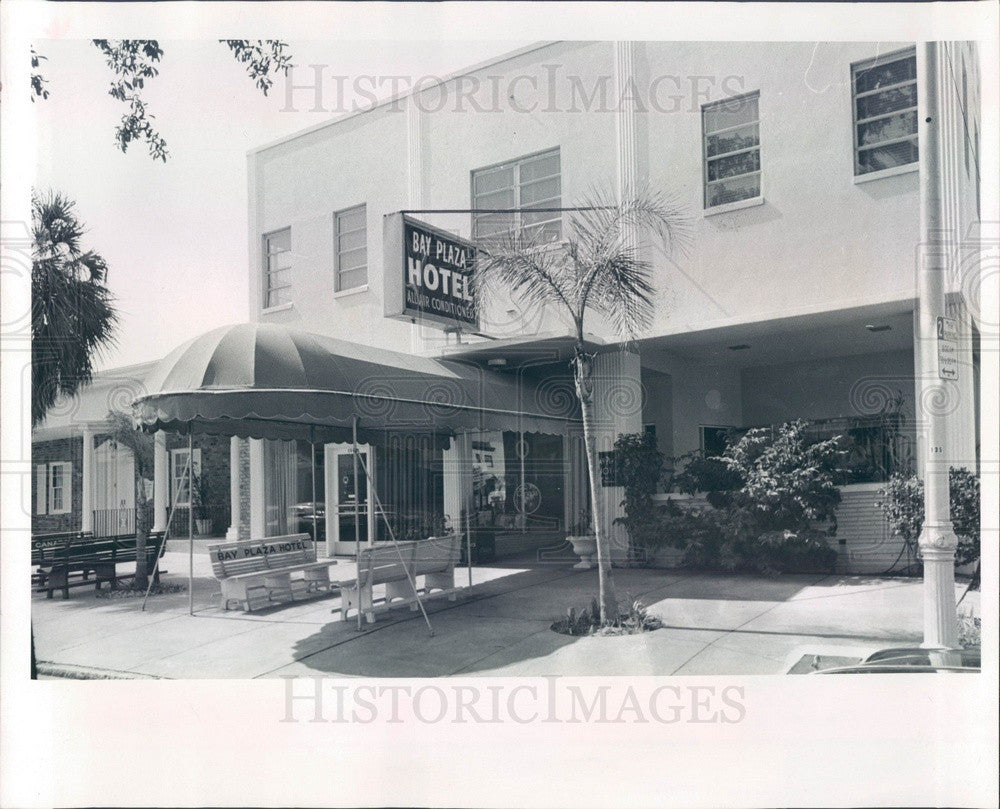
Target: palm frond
x,y
536,273
72,311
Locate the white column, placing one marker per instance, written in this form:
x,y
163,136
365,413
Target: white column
x,y
617,410
257,504
457,462
161,489
233,532
87,492
937,537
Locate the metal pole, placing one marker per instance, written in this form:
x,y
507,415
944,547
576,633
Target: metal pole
x,y
315,518
357,525
166,536
466,469
522,451
937,536
190,482
392,538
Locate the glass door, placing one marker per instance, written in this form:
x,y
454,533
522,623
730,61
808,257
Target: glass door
x,y
351,517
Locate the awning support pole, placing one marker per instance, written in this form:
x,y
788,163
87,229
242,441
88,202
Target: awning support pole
x,y
190,482
466,458
522,450
357,524
373,495
166,536
315,516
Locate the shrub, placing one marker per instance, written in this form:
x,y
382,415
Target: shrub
x,y
788,484
902,502
768,522
639,465
713,476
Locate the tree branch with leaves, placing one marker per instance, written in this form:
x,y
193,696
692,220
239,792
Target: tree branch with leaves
x,y
133,62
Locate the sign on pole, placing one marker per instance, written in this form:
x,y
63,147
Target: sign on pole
x,y
947,344
428,274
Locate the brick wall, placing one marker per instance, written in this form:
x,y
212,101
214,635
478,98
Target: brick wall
x,y
63,449
243,527
214,465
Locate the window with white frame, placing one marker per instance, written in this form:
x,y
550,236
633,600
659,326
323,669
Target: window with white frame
x,y
350,236
885,112
54,488
180,490
278,268
731,149
525,183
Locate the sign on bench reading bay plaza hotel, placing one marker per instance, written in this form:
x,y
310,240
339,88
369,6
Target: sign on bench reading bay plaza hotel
x,y
428,274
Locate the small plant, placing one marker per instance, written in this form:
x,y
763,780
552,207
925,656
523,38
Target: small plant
x,y
630,621
582,526
969,630
203,494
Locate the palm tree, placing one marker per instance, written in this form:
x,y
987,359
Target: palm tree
x,y
596,269
71,309
122,432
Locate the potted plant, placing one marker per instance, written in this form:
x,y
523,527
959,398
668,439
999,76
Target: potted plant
x,y
581,535
202,503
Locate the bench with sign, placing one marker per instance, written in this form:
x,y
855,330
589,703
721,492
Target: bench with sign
x,y
396,565
259,572
67,560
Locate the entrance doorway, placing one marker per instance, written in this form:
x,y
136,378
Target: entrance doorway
x,y
348,497
114,490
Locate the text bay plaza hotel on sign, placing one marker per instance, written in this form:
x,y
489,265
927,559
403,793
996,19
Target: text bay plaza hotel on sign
x,y
800,165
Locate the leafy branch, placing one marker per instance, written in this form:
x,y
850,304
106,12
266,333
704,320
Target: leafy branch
x,y
37,81
131,61
262,58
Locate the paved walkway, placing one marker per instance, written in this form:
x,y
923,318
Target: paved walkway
x,y
714,624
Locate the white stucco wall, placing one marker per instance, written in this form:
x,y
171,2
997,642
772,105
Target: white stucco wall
x,y
820,241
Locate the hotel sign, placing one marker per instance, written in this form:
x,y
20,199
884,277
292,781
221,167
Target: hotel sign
x,y
428,274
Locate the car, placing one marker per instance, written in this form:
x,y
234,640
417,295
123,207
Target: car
x,y
305,515
914,660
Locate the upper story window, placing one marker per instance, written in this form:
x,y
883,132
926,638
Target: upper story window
x,y
278,268
731,149
525,183
350,236
885,112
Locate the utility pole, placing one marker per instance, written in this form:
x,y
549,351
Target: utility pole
x,y
937,536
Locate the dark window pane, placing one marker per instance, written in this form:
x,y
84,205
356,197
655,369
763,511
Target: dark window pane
x,y
887,157
734,165
882,75
888,101
893,126
741,138
734,190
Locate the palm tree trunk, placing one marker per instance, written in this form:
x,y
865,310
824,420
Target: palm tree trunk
x,y
141,533
606,584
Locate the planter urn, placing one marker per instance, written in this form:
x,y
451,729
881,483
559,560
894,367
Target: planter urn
x,y
585,547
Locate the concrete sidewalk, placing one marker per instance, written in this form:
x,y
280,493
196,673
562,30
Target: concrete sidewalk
x,y
713,624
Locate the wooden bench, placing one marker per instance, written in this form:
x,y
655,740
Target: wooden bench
x,y
60,557
258,572
433,558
